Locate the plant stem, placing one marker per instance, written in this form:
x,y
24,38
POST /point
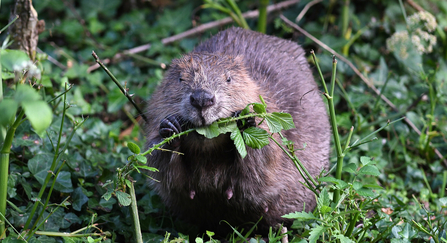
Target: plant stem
x,y
4,168
345,18
236,10
262,19
136,220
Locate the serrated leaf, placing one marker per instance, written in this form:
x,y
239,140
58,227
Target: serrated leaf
x,y
285,119
340,184
273,124
123,198
133,148
255,137
369,170
300,216
351,168
8,109
365,160
39,114
315,233
323,199
365,192
239,143
259,108
210,131
141,158
228,127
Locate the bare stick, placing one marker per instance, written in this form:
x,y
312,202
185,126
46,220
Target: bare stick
x,y
363,78
194,31
123,90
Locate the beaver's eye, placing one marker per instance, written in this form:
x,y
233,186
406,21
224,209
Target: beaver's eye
x,y
180,80
228,79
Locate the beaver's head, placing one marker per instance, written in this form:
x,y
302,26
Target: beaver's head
x,y
210,86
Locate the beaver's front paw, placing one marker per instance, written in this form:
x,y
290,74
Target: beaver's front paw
x,y
170,126
245,123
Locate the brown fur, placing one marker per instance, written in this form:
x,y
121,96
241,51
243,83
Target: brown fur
x,y
211,182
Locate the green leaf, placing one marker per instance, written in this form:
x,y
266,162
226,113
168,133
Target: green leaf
x,y
357,185
39,114
63,182
316,232
79,199
69,219
107,195
344,239
25,93
285,119
239,143
133,148
145,167
259,108
123,198
300,216
376,186
365,192
273,124
255,137
8,109
141,158
369,170
210,131
39,166
323,198
365,160
443,201
351,168
12,60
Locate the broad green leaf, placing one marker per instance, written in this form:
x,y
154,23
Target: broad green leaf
x,y
443,201
63,182
13,60
255,137
325,209
106,205
323,199
69,219
273,124
239,143
39,166
366,192
300,216
369,170
376,186
123,198
107,195
365,160
351,168
39,114
133,147
228,127
357,185
8,109
25,93
78,199
285,119
210,131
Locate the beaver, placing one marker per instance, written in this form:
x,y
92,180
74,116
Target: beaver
x,y
209,181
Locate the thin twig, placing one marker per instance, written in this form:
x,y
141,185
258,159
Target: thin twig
x,y
194,31
123,90
363,78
